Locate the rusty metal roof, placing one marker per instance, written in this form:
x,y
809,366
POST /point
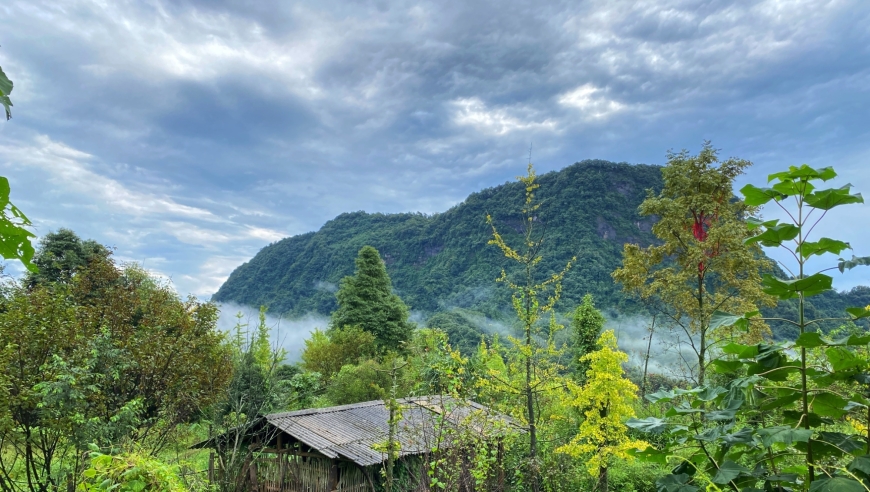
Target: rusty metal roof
x,y
353,431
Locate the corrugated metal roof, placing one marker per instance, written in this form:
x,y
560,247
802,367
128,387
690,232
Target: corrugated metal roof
x,y
352,431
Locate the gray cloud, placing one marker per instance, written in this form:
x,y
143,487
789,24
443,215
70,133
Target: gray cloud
x,y
191,134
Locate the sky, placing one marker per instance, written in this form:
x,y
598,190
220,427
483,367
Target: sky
x,y
190,134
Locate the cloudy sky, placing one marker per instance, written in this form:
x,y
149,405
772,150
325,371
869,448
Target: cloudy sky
x,y
188,135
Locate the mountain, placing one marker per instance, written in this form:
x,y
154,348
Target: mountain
x,y
442,262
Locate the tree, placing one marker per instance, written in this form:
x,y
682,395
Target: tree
x,y
366,300
538,373
61,255
327,352
792,391
586,327
703,263
606,402
112,354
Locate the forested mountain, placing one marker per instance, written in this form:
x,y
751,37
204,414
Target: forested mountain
x,y
442,262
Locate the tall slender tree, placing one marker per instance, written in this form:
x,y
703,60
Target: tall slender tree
x,y
533,296
367,300
703,263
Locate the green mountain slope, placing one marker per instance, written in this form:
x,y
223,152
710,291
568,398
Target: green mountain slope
x,y
443,262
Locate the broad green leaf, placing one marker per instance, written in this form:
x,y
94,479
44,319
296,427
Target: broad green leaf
x,y
792,188
652,425
650,455
741,351
844,442
721,318
783,434
855,261
726,366
828,405
660,395
804,172
861,464
755,196
728,471
781,402
775,236
833,197
676,483
810,339
794,416
822,246
789,289
753,223
842,359
710,393
5,89
858,313
744,436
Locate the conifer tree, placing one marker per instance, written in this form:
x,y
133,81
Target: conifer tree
x,y
586,328
366,300
606,401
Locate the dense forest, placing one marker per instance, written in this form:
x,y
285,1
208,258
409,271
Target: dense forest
x,y
442,264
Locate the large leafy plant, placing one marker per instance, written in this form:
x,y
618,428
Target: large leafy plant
x,y
778,422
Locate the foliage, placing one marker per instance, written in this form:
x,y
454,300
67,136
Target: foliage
x,y
356,383
6,89
605,401
461,332
129,472
112,354
777,425
586,327
14,238
366,300
702,263
440,262
327,352
61,255
537,374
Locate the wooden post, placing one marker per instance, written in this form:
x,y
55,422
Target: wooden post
x,y
211,467
332,484
282,461
252,475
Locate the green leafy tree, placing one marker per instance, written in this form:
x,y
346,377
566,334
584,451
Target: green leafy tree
x,y
606,402
779,426
327,352
586,328
537,374
361,382
703,263
129,472
111,355
61,255
366,300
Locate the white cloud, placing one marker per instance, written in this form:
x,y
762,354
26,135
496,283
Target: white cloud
x,y
587,99
473,112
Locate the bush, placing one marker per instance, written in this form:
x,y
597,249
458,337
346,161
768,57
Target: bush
x,y
363,382
129,472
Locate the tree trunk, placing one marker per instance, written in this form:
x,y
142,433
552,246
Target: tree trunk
x,y
602,479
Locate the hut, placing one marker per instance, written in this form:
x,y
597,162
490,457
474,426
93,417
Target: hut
x,y
342,448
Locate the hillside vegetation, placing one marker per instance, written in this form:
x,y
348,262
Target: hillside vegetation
x,y
442,263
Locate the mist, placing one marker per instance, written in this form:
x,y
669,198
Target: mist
x,y
286,333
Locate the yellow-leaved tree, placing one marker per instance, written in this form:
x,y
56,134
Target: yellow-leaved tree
x,y
606,403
